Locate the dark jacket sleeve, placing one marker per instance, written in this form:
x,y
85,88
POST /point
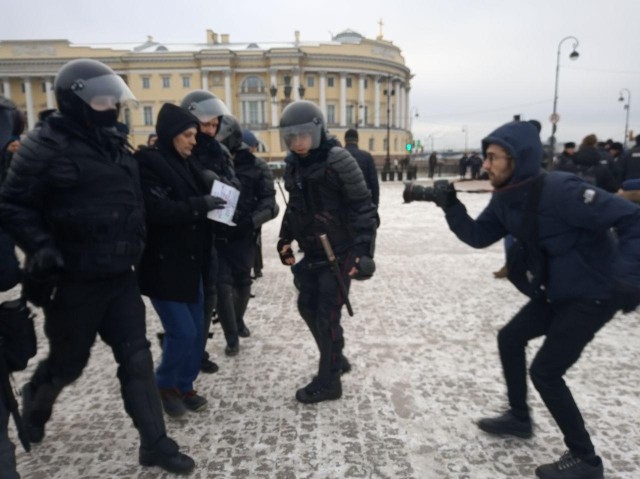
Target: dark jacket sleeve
x,y
158,184
478,233
266,209
36,167
361,209
372,179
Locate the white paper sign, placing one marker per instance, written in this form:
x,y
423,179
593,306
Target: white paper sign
x,y
230,195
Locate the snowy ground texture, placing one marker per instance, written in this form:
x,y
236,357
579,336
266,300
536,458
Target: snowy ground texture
x,y
425,368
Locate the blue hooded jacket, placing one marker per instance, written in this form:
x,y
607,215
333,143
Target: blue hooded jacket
x,y
584,257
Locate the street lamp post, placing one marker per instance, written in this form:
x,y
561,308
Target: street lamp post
x,y
388,92
626,107
554,116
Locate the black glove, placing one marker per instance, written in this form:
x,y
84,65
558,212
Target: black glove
x,y
214,202
626,296
288,254
366,267
444,194
42,275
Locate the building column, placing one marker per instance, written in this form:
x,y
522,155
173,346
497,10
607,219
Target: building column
x,y
228,99
407,107
296,84
361,106
323,93
377,108
403,111
343,99
48,85
396,103
6,88
205,79
274,100
28,93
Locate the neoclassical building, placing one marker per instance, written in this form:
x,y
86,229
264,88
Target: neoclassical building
x,y
357,82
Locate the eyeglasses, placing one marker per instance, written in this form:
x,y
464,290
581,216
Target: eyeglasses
x,y
491,157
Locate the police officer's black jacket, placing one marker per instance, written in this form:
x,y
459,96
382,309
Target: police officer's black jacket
x,y
257,201
176,258
368,167
328,194
76,190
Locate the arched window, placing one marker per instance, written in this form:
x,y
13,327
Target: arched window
x,y
252,85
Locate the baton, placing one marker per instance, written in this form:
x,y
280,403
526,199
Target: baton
x,y
335,268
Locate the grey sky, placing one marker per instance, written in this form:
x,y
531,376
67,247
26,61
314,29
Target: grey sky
x,y
476,63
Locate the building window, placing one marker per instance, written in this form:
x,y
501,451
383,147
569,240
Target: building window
x,y
372,144
127,117
148,115
349,82
186,82
331,114
350,115
366,83
23,87
384,144
166,82
252,84
364,115
253,112
146,83
44,87
311,81
331,82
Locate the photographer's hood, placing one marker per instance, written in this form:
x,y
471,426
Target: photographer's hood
x,y
522,142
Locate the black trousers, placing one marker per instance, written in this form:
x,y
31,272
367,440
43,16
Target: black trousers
x,y
320,304
79,312
7,449
568,326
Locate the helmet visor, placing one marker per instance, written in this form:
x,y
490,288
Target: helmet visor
x,y
103,92
295,136
208,109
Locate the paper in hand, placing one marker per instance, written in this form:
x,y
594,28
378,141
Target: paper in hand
x,y
230,195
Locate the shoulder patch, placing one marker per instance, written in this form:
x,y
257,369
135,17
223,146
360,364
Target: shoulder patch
x,y
588,195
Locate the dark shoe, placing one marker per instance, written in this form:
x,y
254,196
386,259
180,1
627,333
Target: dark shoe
x,y
243,331
346,365
194,402
317,392
232,350
35,433
257,274
165,454
209,367
501,273
507,424
571,467
172,402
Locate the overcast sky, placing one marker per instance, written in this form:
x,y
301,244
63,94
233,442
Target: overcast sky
x,y
475,63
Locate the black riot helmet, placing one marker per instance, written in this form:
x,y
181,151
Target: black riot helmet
x,y
90,92
204,105
302,118
12,122
230,133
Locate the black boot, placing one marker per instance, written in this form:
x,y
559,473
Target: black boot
x,y
227,315
241,297
37,406
507,424
318,391
572,467
165,454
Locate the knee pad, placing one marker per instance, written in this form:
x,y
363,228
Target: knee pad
x,y
138,364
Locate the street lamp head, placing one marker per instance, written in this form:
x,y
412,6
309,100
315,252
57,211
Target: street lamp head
x,y
574,55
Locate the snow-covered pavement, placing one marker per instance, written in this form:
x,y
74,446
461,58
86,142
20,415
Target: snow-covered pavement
x,y
425,368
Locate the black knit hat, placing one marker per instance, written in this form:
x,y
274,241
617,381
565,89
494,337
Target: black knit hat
x,y
569,144
173,120
351,135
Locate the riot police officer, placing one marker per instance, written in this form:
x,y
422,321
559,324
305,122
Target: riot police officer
x,y
215,162
11,125
256,206
72,202
327,195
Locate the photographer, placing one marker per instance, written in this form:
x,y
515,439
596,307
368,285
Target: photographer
x,y
567,260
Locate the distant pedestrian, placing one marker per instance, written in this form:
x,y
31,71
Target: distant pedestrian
x,y
433,162
463,164
365,162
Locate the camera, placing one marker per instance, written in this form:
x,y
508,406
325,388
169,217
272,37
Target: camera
x,y
413,192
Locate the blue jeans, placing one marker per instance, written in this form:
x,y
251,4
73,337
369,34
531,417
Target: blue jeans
x,y
183,344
